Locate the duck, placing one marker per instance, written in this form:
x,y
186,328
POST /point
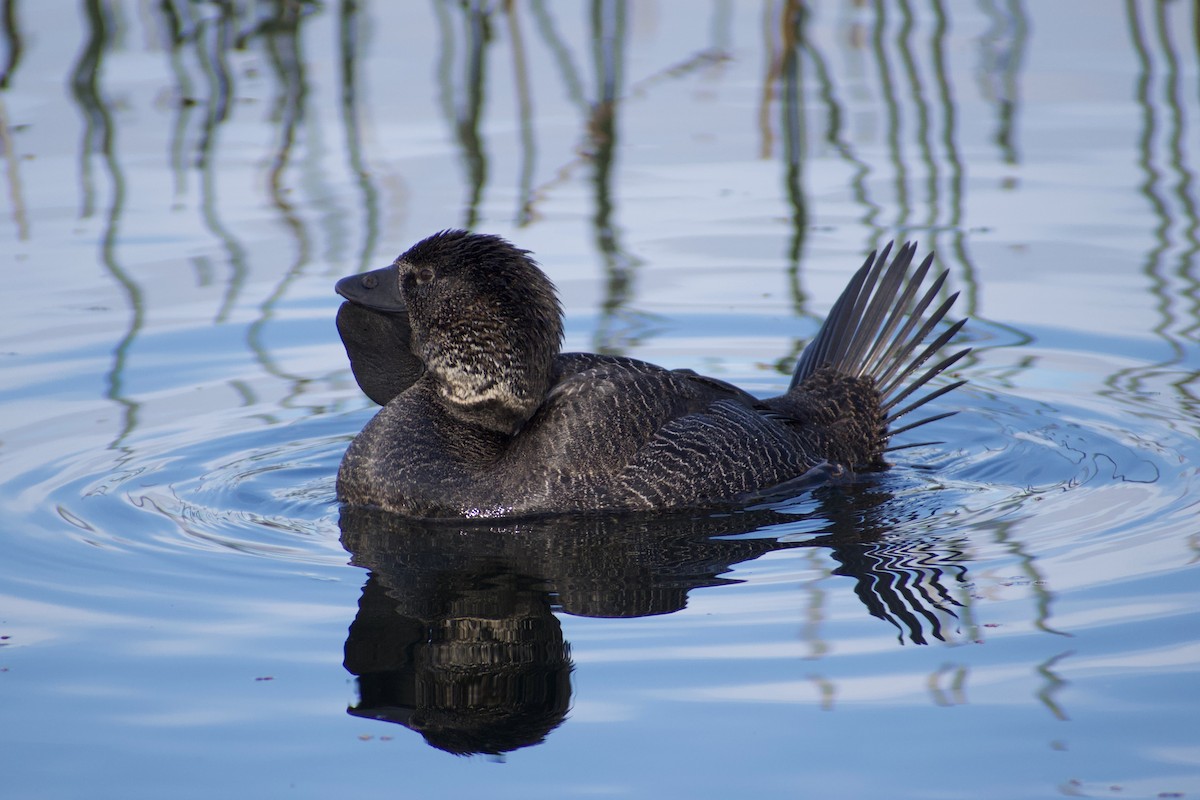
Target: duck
x,y
483,416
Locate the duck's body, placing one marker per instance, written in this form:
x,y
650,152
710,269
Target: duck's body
x,y
483,417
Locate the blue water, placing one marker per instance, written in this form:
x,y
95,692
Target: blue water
x,y
186,612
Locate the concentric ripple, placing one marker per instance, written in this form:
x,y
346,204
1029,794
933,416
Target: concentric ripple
x,y
268,489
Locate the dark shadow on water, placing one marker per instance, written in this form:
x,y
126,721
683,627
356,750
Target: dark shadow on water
x,y
456,635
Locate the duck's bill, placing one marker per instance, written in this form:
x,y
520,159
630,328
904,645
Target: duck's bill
x,y
378,289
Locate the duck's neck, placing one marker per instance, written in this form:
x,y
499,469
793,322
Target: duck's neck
x,y
487,378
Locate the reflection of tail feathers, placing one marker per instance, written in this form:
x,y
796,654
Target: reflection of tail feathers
x,y
901,582
876,326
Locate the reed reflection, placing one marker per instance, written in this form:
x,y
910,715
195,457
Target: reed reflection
x,y
456,636
619,327
799,64
202,50
886,74
99,138
1002,54
1169,187
350,48
462,99
14,41
785,67
208,42
14,48
282,42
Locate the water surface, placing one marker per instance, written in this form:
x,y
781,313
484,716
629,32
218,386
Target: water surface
x,y
186,612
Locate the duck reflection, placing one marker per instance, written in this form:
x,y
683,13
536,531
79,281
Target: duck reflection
x,y
456,636
473,660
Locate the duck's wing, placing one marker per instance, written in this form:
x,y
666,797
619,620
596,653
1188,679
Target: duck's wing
x,y
624,434
601,410
713,389
584,380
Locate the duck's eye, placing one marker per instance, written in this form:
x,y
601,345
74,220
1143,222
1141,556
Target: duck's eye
x,y
424,275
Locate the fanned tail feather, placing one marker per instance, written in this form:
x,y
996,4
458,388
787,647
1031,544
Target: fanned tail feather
x,y
875,327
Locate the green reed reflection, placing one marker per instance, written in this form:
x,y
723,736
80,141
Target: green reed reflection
x,y
1054,684
524,115
1002,55
462,100
785,66
99,137
1169,187
14,42
14,46
210,41
350,46
284,47
608,47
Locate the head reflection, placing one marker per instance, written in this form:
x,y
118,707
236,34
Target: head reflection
x,y
473,669
456,636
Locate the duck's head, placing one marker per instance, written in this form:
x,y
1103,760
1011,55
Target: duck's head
x,y
485,321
